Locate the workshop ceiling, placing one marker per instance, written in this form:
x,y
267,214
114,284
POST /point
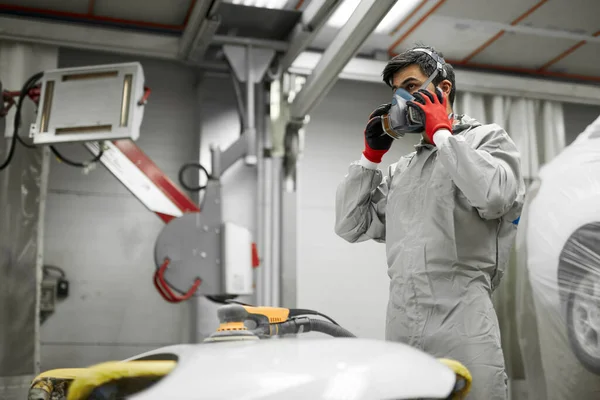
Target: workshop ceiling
x,y
550,38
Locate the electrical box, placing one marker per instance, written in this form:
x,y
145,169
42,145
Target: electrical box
x,y
90,104
48,296
236,252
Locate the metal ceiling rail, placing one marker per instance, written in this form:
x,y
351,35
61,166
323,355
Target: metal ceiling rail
x,y
566,53
415,26
501,33
86,17
408,17
363,21
92,7
199,31
314,18
466,23
528,71
107,39
264,43
188,14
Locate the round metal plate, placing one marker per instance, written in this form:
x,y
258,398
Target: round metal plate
x,y
192,243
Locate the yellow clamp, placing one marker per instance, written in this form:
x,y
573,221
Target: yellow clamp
x,y
464,379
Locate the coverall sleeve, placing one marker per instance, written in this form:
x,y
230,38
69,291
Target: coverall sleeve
x,y
360,204
487,169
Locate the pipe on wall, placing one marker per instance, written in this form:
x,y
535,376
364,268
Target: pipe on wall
x,y
265,210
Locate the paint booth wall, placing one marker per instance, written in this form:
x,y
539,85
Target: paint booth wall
x,y
104,238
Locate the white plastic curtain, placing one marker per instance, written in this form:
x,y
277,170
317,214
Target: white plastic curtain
x,y
536,126
538,129
21,223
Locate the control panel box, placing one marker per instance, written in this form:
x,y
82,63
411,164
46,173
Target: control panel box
x,y
236,252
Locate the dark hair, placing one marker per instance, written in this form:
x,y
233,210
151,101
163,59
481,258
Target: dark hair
x,y
425,62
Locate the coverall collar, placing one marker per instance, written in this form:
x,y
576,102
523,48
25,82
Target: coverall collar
x,y
461,124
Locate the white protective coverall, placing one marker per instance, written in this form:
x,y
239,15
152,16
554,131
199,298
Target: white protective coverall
x,y
448,217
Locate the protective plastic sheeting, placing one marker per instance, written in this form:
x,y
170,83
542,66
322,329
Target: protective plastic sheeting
x,y
19,213
558,291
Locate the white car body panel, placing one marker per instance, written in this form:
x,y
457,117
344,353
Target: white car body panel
x,y
301,369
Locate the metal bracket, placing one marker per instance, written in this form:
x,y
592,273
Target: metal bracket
x,y
283,90
293,148
202,24
192,243
223,160
249,65
314,17
197,248
204,38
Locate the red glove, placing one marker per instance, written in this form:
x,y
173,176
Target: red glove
x,y
377,142
434,110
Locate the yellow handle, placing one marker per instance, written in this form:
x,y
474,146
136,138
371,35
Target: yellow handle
x,y
101,374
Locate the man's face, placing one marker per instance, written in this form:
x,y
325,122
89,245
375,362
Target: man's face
x,y
412,78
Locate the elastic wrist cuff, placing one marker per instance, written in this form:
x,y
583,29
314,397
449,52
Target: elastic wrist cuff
x,y
440,137
364,162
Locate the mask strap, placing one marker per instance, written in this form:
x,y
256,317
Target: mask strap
x,y
439,66
430,79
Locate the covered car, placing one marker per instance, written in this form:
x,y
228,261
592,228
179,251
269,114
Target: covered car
x,y
558,296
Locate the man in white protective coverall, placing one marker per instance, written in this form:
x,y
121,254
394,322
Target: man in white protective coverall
x,y
448,213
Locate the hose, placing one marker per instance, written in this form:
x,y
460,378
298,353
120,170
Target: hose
x,y
297,325
328,328
17,120
297,312
181,173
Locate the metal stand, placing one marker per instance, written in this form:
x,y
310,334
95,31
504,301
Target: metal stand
x,y
190,251
249,65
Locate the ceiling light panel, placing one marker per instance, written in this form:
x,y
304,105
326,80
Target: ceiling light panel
x,y
277,4
400,10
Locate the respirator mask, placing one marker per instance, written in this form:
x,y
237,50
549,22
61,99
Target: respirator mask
x,y
403,118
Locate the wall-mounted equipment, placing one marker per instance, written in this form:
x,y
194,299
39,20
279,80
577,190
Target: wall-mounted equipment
x,y
90,104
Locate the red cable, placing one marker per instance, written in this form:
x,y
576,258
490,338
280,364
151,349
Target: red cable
x,y
161,291
164,289
144,99
8,97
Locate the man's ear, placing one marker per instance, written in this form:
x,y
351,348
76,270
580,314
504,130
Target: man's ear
x,y
446,86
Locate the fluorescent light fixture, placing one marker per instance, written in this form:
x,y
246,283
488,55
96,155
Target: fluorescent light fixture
x,y
400,10
278,4
342,13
